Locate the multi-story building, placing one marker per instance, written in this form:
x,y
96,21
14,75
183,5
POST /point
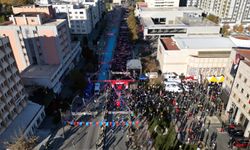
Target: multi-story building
x,y
16,113
192,3
237,84
82,15
161,22
82,19
229,11
194,56
39,40
162,3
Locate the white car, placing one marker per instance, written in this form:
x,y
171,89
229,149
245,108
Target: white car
x,y
173,87
170,75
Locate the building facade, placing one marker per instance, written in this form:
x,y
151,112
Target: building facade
x,y
192,3
196,56
181,21
162,3
13,101
82,16
38,39
237,84
230,11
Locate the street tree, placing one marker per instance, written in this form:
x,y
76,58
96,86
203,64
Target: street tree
x,y
213,18
22,143
225,30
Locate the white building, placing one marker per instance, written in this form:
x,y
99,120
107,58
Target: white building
x,y
194,56
192,3
162,3
160,22
230,11
237,86
17,115
82,15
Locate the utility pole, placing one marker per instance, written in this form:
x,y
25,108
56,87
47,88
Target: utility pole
x,y
60,110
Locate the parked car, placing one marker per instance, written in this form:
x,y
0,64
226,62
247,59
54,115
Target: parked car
x,y
236,133
241,143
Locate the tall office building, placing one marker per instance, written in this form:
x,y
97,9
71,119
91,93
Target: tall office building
x,y
230,11
41,45
16,113
162,3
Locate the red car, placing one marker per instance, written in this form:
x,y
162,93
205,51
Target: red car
x,y
241,143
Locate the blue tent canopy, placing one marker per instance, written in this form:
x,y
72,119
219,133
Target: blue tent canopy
x,y
143,77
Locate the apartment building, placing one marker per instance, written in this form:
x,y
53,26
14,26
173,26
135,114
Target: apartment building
x,y
194,56
162,3
192,3
82,15
16,113
237,84
39,40
230,11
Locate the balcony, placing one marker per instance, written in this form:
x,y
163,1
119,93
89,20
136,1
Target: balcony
x,y
7,74
14,93
4,64
13,69
11,108
1,79
1,54
7,50
11,83
11,60
7,99
17,78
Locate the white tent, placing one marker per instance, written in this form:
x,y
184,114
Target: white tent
x,y
134,64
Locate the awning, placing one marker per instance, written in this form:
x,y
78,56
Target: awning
x,y
212,79
143,77
220,79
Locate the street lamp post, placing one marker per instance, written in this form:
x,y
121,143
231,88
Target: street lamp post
x,y
60,110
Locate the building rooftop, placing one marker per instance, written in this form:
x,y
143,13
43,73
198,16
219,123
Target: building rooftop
x,y
170,9
39,71
29,14
203,42
244,52
169,44
179,22
20,123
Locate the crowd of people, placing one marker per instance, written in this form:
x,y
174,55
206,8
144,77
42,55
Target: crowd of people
x,y
187,110
123,48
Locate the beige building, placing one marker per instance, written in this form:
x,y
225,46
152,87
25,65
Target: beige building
x,y
229,11
41,43
237,85
16,113
194,56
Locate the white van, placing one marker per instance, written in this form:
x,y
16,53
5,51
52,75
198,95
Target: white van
x,y
173,87
170,75
152,75
97,88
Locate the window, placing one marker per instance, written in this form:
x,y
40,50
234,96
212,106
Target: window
x,y
245,80
234,95
81,12
239,100
240,75
242,90
247,96
237,85
70,12
244,106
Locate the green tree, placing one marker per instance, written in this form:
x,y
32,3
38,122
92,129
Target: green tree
x,y
225,30
132,24
22,143
78,81
213,18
